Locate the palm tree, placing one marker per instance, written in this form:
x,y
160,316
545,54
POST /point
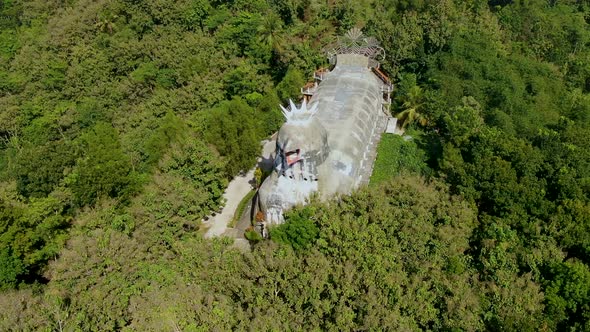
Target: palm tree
x,y
269,32
412,107
106,23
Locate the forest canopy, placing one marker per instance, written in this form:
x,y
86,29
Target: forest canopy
x,y
121,123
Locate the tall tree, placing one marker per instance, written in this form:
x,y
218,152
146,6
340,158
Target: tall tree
x,y
103,169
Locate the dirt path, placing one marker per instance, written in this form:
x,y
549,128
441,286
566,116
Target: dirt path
x,y
239,187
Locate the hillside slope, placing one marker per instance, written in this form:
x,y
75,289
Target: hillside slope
x,y
122,121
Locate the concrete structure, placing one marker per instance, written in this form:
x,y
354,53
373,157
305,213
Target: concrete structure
x,y
328,144
391,126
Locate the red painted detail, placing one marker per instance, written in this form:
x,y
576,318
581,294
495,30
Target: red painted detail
x,y
292,157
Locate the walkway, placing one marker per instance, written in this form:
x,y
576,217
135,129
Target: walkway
x,y
239,187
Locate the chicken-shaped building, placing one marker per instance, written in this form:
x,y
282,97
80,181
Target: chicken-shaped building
x,y
328,144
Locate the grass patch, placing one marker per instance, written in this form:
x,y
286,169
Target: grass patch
x,y
241,207
394,154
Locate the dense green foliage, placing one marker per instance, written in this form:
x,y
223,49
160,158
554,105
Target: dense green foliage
x,y
121,121
396,155
299,231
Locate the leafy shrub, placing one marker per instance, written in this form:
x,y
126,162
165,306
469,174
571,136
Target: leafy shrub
x,y
252,235
298,231
394,155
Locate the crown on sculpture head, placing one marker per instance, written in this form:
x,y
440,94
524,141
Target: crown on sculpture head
x,y
355,42
299,115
